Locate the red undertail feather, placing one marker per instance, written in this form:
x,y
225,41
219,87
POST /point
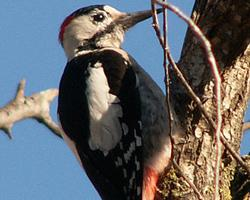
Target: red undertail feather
x,y
150,179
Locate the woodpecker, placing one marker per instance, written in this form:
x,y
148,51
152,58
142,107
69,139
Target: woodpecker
x,y
113,114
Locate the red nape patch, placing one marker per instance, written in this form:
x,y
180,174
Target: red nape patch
x,y
150,178
63,27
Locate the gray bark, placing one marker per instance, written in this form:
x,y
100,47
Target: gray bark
x,y
226,23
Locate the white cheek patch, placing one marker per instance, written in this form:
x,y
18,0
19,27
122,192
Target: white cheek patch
x,y
104,111
77,31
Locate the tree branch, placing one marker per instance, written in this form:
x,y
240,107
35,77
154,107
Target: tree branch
x,y
246,126
226,25
36,106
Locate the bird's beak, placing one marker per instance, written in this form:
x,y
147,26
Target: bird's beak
x,y
128,20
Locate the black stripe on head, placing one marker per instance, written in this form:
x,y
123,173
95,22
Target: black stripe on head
x,y
86,10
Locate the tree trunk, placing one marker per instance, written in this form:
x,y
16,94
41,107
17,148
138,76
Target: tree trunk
x,y
226,23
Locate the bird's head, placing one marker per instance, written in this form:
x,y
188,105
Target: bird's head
x,y
96,27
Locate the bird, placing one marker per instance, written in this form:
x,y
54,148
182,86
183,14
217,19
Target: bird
x,y
112,113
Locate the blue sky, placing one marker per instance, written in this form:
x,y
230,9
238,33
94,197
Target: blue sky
x,y
36,164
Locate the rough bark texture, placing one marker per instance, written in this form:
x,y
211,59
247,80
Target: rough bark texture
x,y
240,187
226,23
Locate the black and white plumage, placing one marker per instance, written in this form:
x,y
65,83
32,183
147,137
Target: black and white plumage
x,y
112,112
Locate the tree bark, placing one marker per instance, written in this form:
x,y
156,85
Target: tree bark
x,y
226,23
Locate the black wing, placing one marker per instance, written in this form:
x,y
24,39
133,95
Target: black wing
x,y
117,175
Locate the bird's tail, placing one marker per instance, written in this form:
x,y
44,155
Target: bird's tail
x,y
150,179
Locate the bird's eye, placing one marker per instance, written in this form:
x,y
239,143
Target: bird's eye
x,y
99,17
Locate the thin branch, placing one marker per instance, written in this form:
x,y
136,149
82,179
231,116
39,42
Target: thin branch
x,y
235,155
191,185
213,65
156,24
166,70
217,79
164,43
20,90
36,106
192,94
246,126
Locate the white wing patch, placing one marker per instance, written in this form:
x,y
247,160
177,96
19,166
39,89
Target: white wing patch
x,y
104,111
128,154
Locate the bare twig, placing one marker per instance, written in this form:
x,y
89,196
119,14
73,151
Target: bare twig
x,y
197,100
215,126
246,126
166,70
219,138
192,94
214,68
191,185
156,24
36,106
164,43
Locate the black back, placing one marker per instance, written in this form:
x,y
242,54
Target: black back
x,y
107,177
